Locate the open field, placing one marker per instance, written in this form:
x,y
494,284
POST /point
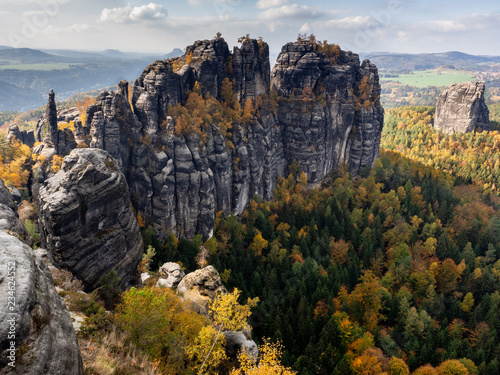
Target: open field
x,y
49,66
432,77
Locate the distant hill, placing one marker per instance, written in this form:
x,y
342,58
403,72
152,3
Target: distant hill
x,y
176,52
410,62
23,87
28,56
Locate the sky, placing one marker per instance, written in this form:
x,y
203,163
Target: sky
x,y
158,26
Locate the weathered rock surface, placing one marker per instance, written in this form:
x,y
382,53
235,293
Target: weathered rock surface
x,y
174,274
6,197
199,287
54,141
461,108
67,115
9,219
25,136
237,342
42,323
86,221
326,112
329,109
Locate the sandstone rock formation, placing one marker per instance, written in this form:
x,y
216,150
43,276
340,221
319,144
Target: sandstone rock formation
x,y
43,326
237,342
86,221
54,141
9,220
329,109
68,115
199,287
26,137
174,274
461,108
324,111
6,197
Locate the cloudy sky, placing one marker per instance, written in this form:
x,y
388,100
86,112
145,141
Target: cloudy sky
x,y
412,26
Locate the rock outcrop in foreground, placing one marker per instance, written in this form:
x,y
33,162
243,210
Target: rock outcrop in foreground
x,y
461,108
199,287
9,219
86,220
323,110
45,340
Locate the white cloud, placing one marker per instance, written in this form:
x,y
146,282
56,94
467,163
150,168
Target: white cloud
x,y
289,11
470,22
348,23
264,4
126,14
305,28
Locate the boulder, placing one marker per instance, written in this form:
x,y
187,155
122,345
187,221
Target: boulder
x,y
237,342
45,340
174,275
461,108
199,287
86,220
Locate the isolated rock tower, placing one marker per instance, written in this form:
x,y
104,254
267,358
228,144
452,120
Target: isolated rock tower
x,y
461,108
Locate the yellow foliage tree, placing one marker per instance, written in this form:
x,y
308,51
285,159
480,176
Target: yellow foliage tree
x,y
227,315
13,157
364,303
452,367
160,324
259,243
208,350
56,163
398,367
269,362
425,370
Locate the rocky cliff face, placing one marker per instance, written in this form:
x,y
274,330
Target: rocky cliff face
x,y
9,219
42,323
324,110
26,137
86,221
461,108
329,108
38,323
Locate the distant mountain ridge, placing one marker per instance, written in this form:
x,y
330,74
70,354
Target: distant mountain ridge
x,y
88,70
28,56
422,61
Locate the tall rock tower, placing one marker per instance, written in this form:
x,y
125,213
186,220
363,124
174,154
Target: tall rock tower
x,y
461,108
